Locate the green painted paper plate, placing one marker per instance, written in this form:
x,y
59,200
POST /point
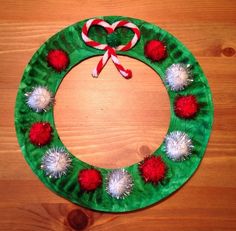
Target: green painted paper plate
x,y
38,73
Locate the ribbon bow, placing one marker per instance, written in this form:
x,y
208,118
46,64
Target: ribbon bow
x,y
110,51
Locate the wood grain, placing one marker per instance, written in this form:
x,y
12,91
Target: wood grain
x,y
111,122
128,119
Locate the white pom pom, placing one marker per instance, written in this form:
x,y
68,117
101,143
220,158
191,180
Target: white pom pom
x,y
178,145
119,183
178,76
56,162
40,99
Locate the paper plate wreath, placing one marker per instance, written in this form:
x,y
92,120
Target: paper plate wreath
x,y
141,184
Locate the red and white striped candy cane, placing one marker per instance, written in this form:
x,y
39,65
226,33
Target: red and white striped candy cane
x,y
110,51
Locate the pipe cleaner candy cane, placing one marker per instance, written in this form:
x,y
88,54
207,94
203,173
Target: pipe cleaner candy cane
x,y
110,51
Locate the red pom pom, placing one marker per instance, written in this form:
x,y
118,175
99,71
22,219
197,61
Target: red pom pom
x,y
89,179
155,50
40,133
153,169
186,106
58,59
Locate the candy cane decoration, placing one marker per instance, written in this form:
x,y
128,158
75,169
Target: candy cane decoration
x,y
110,51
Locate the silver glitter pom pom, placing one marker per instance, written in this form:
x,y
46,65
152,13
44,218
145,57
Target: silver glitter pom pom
x,y
39,99
119,183
178,145
178,76
56,162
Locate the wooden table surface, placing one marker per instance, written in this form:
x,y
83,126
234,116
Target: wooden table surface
x,y
110,122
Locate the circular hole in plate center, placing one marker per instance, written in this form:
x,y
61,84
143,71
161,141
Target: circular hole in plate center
x,y
109,121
